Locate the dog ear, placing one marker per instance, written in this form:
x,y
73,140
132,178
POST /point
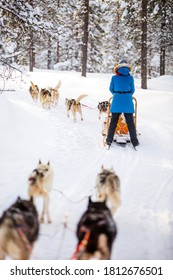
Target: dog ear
x,y
39,161
48,163
102,167
18,198
89,200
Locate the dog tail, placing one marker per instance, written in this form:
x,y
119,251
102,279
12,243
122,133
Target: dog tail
x,y
33,86
58,85
80,97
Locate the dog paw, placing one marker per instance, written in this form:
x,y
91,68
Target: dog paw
x,y
41,220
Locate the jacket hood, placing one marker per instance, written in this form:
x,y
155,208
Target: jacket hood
x,y
122,65
123,70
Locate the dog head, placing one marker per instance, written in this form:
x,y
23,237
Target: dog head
x,y
24,205
39,173
98,221
69,103
34,87
53,91
27,207
102,106
45,92
23,214
94,215
108,177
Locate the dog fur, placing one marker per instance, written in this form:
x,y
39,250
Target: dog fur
x,y
34,91
102,107
108,188
19,229
55,93
46,98
74,106
98,221
40,184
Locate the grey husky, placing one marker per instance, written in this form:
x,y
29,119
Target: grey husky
x,y
108,188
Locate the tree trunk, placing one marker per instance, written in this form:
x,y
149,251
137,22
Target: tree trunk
x,y
31,54
31,48
144,45
85,38
57,51
162,61
49,59
49,54
57,44
163,30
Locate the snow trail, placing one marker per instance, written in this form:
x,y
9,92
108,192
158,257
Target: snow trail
x,y
145,219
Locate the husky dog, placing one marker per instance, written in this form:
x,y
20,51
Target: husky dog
x,y
102,107
74,106
40,184
108,188
96,231
34,91
55,93
19,229
46,98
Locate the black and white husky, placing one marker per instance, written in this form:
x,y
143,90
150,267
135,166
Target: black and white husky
x,y
19,229
102,107
96,231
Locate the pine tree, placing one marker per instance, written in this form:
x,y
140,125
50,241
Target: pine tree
x,y
144,45
20,21
85,37
53,31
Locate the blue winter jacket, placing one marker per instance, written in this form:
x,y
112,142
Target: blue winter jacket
x,y
122,102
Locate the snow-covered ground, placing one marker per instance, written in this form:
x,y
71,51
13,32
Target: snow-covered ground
x,y
75,151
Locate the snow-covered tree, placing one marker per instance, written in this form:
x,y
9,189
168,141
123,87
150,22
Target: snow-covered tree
x,y
21,22
51,34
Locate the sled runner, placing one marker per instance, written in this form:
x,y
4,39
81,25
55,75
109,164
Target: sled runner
x,y
121,135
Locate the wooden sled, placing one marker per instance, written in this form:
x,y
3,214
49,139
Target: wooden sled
x,y
121,134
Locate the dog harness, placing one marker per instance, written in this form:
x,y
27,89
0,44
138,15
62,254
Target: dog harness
x,y
24,239
20,229
81,246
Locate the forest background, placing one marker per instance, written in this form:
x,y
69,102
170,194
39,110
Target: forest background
x,y
88,35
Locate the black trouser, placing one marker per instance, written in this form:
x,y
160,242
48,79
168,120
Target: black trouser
x,y
130,125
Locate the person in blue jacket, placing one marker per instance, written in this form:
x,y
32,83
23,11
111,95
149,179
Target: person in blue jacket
x,y
122,87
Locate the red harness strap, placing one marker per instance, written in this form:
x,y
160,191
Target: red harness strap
x,y
24,239
81,246
86,106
